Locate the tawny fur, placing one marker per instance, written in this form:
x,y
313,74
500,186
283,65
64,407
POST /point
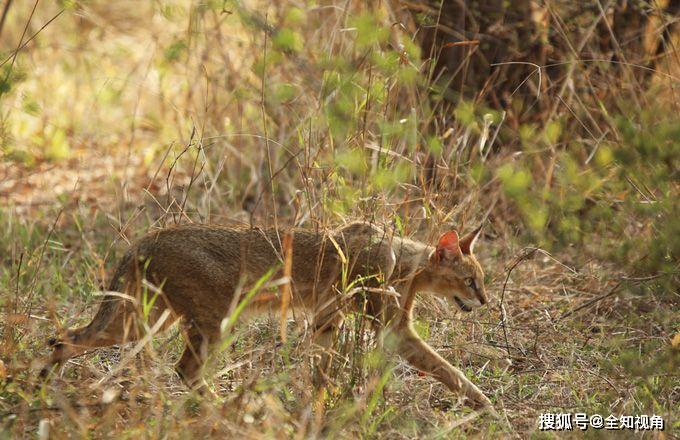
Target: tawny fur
x,y
200,269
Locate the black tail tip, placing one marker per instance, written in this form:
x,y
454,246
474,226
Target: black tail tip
x,y
54,343
43,372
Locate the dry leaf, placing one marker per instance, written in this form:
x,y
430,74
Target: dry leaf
x,y
675,342
461,43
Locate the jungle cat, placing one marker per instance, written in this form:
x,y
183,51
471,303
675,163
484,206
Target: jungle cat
x,y
204,271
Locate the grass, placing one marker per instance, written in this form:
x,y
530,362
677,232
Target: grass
x,y
114,123
603,359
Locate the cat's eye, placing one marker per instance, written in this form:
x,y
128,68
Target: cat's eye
x,y
469,281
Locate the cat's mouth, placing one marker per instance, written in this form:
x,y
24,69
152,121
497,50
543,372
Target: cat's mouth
x,y
464,307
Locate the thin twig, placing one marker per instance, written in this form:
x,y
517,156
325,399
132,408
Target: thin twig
x,y
13,57
40,259
592,301
504,315
14,53
4,15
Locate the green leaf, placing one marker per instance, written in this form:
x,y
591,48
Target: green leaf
x,y
58,147
527,134
353,160
434,145
288,40
369,31
175,51
422,328
515,182
284,92
553,131
465,114
295,16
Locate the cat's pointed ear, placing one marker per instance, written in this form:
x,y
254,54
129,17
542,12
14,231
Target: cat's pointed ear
x,y
467,243
448,246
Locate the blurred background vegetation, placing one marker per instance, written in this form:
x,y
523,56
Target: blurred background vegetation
x,y
555,122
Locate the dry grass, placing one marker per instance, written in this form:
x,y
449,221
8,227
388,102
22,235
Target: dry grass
x,y
123,118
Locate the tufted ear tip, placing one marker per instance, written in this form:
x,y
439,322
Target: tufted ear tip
x,y
467,243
